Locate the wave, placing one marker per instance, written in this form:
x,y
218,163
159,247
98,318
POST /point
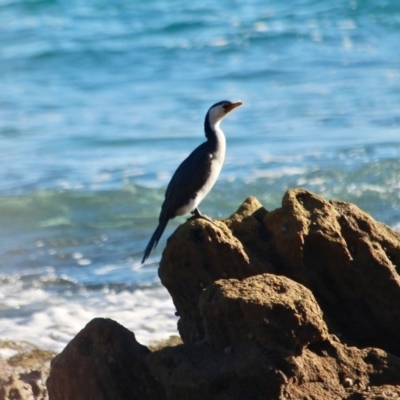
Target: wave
x,y
55,320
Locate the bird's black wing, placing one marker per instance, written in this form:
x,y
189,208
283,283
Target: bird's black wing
x,y
187,180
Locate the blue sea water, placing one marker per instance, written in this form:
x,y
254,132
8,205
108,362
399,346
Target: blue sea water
x,y
100,102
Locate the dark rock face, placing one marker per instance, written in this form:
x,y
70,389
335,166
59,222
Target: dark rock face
x,y
252,328
297,303
199,253
348,260
104,361
266,339
268,310
196,371
340,253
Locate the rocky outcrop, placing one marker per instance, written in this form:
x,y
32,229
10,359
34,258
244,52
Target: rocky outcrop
x,y
24,371
266,339
297,303
252,329
267,310
104,361
348,260
201,252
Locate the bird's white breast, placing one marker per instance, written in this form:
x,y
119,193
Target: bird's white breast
x,y
217,160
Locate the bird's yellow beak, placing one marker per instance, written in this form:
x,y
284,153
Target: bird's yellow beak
x,y
233,105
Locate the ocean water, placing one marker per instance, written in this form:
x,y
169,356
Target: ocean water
x,y
100,102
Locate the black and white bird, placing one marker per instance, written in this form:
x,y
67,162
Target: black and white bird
x,y
197,174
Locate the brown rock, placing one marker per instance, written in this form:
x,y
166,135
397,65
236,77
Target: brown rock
x,y
23,375
332,370
232,362
200,252
266,339
104,361
249,333
198,372
247,225
269,310
347,260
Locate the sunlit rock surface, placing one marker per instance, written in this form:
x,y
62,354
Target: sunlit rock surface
x,y
296,303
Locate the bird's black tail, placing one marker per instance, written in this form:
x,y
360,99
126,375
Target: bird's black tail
x,y
154,239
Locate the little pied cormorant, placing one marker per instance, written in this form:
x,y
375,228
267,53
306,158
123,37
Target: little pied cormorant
x,y
197,174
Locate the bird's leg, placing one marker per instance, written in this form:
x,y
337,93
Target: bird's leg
x,y
197,214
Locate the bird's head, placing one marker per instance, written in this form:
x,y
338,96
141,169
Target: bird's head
x,y
218,111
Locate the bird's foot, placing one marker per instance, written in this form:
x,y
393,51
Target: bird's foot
x,y
197,214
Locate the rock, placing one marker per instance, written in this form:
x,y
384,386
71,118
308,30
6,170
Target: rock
x,y
247,225
266,339
200,252
252,327
347,260
197,372
268,310
23,371
104,361
297,303
230,363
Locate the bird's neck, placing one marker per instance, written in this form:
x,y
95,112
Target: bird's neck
x,y
214,135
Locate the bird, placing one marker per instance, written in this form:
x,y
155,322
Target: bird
x,y
196,175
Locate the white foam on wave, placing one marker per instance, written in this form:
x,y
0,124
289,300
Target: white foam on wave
x,y
276,173
6,353
396,226
148,312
